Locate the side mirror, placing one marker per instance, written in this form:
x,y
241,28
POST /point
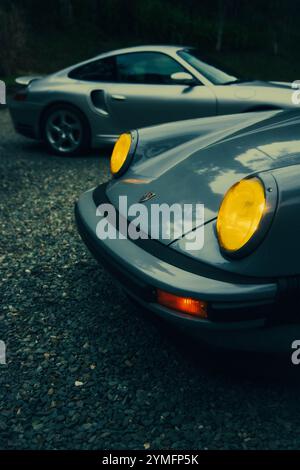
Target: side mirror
x,y
183,78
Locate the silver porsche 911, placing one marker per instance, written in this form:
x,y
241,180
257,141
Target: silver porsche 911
x,y
91,103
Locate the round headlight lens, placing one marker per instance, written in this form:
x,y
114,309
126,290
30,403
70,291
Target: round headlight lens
x,y
120,153
240,214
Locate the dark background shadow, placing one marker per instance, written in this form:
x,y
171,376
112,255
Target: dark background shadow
x,y
244,36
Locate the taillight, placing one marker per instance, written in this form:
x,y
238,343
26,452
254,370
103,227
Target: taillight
x,y
20,95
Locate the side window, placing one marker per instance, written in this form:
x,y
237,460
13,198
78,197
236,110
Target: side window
x,y
102,70
146,67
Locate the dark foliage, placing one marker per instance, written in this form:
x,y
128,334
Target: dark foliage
x,y
44,36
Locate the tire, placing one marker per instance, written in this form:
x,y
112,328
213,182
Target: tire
x,y
65,130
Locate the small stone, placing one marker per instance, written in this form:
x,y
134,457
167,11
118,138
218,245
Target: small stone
x,y
87,426
37,426
78,383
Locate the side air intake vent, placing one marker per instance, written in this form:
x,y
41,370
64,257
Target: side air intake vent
x,y
98,100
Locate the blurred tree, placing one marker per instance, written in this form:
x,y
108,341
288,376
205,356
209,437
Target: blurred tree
x,y
13,38
221,20
66,12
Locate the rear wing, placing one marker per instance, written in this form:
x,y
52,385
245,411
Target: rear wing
x,y
27,79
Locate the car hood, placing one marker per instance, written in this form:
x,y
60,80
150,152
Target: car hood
x,y
258,93
201,170
263,83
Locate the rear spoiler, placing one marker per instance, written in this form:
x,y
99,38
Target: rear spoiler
x,y
27,79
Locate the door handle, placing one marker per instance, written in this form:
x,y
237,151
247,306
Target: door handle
x,y
118,97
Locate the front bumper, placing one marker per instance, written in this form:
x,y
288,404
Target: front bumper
x,y
240,314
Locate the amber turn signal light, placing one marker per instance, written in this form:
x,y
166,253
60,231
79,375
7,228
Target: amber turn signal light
x,y
182,304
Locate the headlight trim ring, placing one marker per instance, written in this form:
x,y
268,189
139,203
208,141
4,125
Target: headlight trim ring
x,y
129,157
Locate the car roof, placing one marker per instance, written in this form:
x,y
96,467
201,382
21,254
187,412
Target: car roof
x,y
147,48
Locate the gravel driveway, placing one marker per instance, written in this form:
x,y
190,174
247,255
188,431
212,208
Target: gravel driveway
x,y
85,368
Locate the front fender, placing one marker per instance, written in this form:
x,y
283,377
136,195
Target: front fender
x,y
278,255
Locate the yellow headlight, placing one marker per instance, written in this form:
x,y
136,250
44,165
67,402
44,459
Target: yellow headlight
x,y
120,153
240,214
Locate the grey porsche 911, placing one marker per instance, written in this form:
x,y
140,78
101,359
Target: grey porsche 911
x,y
240,286
91,103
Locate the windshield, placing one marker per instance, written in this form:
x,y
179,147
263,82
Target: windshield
x,y
209,71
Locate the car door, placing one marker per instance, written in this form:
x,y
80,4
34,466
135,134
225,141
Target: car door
x,y
95,80
145,94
